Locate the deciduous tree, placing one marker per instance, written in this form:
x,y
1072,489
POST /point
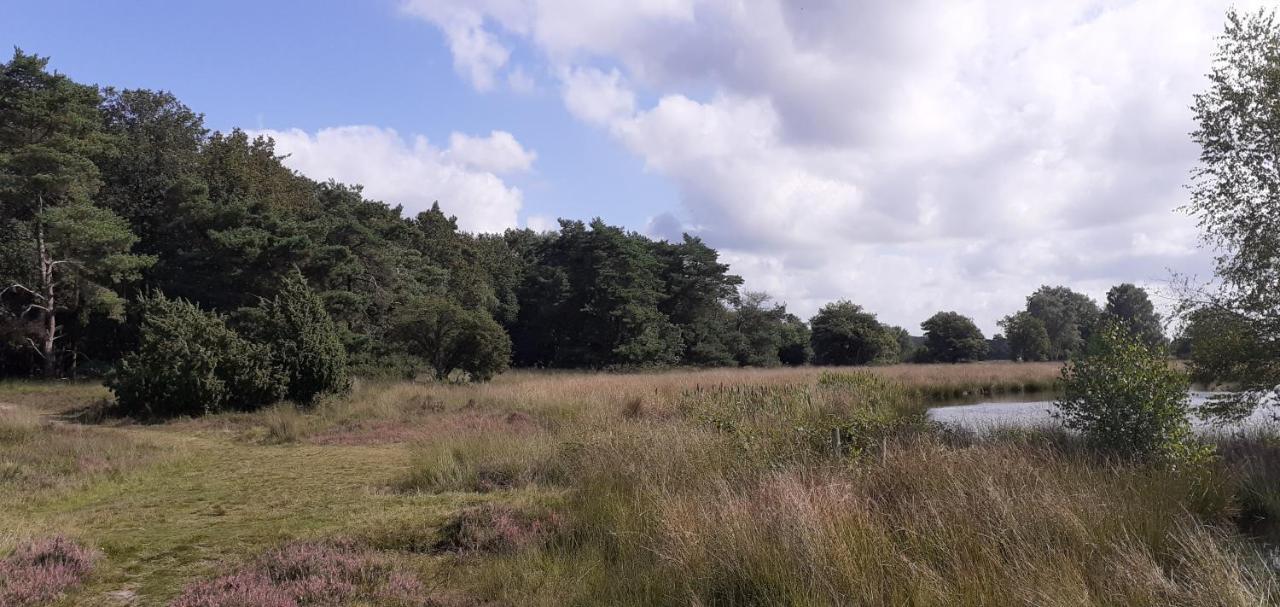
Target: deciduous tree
x,y
844,334
1129,306
1235,195
951,337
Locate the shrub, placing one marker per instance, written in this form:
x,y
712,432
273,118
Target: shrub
x,y
305,344
39,571
189,362
451,338
1125,397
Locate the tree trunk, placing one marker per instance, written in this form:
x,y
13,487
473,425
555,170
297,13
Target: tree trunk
x,y
50,324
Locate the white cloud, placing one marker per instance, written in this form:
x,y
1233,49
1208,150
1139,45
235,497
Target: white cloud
x,y
597,97
497,153
414,173
911,156
477,53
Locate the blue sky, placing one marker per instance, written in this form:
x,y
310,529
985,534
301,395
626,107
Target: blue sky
x,y
316,64
911,156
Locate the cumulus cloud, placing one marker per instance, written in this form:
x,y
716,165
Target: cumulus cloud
x,y
911,156
497,153
414,173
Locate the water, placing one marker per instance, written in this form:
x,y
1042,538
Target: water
x,y
983,416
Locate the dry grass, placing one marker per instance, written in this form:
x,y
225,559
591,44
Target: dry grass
x,y
381,412
715,487
38,452
664,516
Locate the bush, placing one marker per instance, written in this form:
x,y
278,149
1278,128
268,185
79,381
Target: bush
x,y
305,344
1125,397
189,362
451,338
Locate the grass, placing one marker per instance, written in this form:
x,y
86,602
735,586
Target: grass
x,y
714,487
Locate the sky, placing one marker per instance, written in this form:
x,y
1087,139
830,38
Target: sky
x,y
910,156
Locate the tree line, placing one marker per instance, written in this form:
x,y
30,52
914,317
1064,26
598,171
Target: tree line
x,y
118,203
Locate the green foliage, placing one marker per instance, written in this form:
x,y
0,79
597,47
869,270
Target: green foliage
x,y
696,288
794,348
759,330
998,348
1224,348
594,299
843,334
1233,196
50,133
1068,318
1028,339
1055,325
304,342
1126,399
1130,307
950,337
451,338
908,350
189,362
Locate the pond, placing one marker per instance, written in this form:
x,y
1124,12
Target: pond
x,y
994,414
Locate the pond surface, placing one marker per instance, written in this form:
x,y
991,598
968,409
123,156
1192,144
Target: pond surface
x,y
998,413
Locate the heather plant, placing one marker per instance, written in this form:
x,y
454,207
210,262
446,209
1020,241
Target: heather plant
x,y
497,528
1125,398
305,574
39,571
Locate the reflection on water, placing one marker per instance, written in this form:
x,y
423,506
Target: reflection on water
x,y
995,413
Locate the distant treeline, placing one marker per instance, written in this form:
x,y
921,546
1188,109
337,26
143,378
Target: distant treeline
x,y
112,196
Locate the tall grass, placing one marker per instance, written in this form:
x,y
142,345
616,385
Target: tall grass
x,y
670,517
482,462
835,490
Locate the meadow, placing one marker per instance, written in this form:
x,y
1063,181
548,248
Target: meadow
x,y
809,486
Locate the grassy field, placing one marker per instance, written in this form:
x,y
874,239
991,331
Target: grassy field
x,y
719,487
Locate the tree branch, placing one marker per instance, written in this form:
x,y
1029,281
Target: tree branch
x,y
16,286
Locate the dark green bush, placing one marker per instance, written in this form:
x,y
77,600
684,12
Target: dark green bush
x,y
189,362
305,344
